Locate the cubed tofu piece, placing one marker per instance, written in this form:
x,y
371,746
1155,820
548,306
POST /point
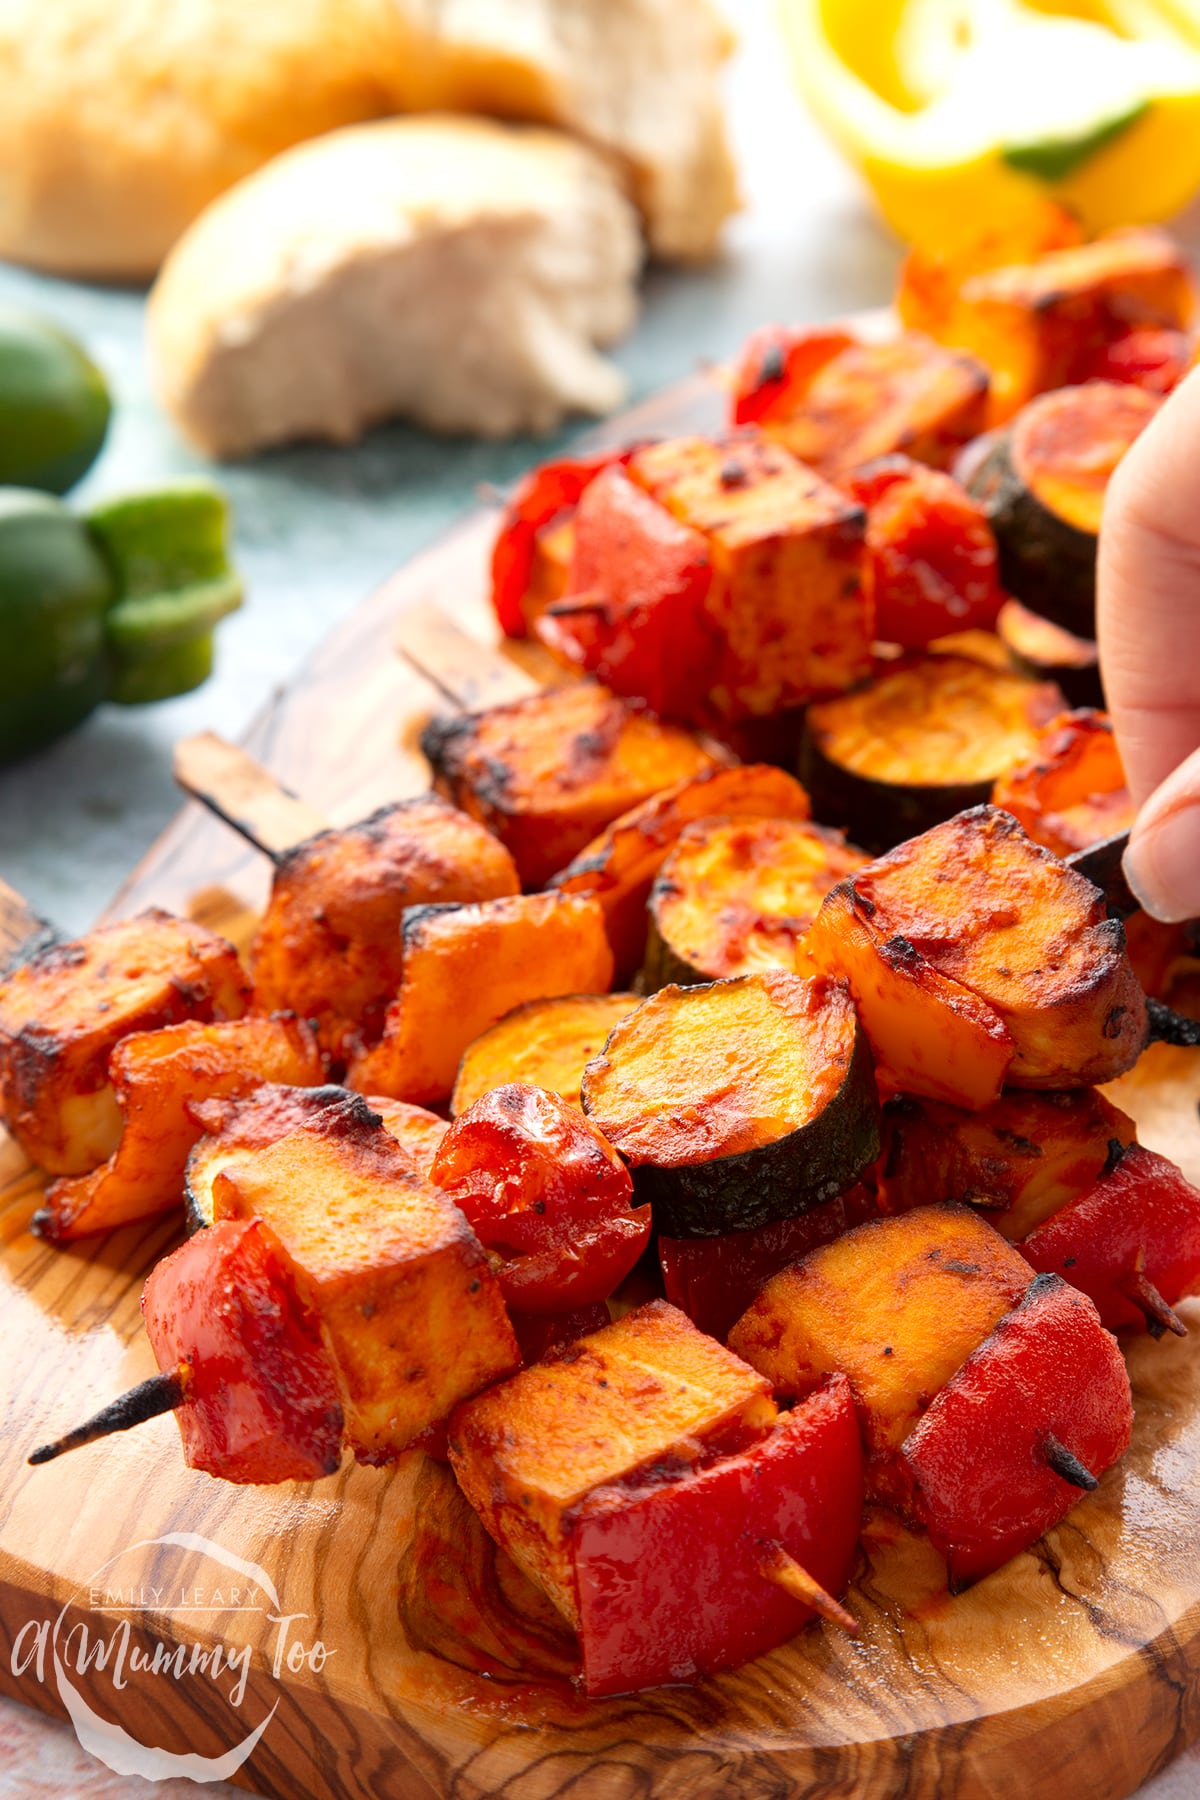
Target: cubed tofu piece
x,y
158,1078
1042,325
897,1305
974,922
787,594
64,1012
411,1311
905,394
647,1393
546,774
464,968
328,946
1018,1161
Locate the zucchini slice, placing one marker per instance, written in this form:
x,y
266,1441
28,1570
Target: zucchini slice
x,y
1043,484
738,1103
619,867
923,741
545,1043
1044,651
736,895
1072,792
236,1127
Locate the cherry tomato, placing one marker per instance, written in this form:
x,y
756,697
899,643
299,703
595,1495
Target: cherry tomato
x,y
1150,357
549,1198
934,566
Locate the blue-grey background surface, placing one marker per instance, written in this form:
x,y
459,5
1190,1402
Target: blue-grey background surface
x,y
316,529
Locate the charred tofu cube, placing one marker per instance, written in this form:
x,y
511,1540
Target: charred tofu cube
x,y
905,394
1046,324
547,774
158,1078
647,1484
788,561
896,1304
1019,1160
328,946
648,1396
63,1013
412,1314
465,967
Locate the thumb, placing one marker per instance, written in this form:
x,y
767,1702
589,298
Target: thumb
x,y
1162,863
1148,594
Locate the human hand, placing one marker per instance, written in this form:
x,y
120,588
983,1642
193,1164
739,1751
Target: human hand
x,y
1148,611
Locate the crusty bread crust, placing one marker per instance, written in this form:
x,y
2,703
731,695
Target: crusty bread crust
x,y
120,120
457,272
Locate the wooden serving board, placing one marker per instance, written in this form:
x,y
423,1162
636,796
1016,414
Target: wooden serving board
x,y
1075,1670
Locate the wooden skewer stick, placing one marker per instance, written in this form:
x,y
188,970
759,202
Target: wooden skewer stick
x,y
795,1580
1066,1464
157,1394
240,791
1160,1317
471,674
22,933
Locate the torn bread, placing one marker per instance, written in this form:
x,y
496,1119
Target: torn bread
x,y
450,271
640,78
120,120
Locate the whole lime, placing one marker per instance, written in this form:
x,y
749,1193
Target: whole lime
x,y
54,405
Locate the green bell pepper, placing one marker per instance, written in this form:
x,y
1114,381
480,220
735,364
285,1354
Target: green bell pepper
x,y
119,604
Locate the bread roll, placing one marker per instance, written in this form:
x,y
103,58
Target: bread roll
x,y
452,271
637,77
121,119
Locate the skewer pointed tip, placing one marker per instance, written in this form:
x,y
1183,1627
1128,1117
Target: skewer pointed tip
x,y
157,1394
795,1580
1067,1465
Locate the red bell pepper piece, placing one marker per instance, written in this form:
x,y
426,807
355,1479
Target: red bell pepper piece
x,y
777,367
713,1280
538,499
1152,357
547,1195
260,1398
1030,1420
670,1575
634,612
1131,1242
933,559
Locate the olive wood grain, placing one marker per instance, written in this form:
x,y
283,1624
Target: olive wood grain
x,y
1075,1670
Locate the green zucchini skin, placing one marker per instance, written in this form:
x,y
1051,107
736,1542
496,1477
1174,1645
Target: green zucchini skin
x,y
1080,681
811,1166
664,965
1047,563
876,814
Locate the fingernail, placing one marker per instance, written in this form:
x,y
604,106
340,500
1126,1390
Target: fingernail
x,y
1162,865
